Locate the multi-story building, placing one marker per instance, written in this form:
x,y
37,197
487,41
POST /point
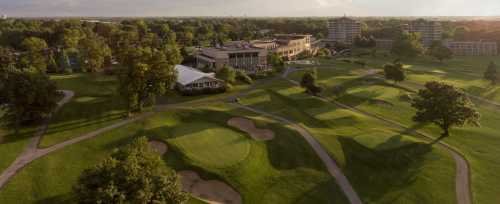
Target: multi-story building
x,y
430,31
237,54
478,48
343,30
287,46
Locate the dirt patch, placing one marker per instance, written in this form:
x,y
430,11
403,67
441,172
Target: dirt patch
x,y
248,126
211,191
159,146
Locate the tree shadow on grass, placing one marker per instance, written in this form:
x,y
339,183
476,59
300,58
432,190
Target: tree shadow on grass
x,y
288,150
376,173
64,198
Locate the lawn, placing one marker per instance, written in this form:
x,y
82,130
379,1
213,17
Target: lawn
x,y
283,170
96,104
463,72
383,164
479,144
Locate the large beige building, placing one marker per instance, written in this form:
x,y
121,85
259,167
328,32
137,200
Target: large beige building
x,y
237,54
430,31
343,30
478,48
287,46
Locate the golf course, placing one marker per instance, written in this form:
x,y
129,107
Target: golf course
x,y
266,146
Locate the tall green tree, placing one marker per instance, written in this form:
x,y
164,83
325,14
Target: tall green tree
x,y
309,83
93,53
445,106
7,57
228,74
133,174
407,45
440,52
33,55
491,73
29,96
147,74
394,72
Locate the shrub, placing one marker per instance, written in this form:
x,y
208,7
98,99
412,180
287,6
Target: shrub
x,y
242,76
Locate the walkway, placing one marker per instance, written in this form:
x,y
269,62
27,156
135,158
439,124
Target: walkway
x,y
330,164
462,179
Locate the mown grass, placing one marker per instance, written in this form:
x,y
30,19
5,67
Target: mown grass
x,y
96,104
479,144
383,164
284,170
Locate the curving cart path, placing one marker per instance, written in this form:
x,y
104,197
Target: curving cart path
x,y
330,164
462,179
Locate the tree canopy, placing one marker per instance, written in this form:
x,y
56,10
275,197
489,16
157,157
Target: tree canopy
x,y
445,106
309,83
133,174
147,74
491,73
29,96
395,72
407,45
440,52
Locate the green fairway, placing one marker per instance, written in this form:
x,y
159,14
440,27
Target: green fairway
x,y
479,144
214,146
383,164
283,170
96,104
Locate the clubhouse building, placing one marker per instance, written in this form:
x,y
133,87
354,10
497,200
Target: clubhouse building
x,y
189,79
287,46
238,54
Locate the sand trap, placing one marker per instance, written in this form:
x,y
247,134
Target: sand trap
x,y
158,146
248,126
212,191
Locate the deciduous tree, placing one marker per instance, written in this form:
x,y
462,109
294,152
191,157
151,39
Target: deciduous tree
x,y
93,52
407,45
309,83
445,106
440,52
491,73
133,174
29,96
394,72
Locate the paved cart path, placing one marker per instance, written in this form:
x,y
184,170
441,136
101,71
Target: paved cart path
x,y
330,164
462,179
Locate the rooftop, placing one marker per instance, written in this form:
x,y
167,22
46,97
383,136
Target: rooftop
x,y
187,75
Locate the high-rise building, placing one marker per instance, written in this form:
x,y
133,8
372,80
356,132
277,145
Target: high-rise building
x,y
343,30
4,16
430,31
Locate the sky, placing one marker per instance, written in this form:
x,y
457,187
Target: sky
x,y
39,8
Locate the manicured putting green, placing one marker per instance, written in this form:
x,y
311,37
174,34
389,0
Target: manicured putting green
x,y
211,144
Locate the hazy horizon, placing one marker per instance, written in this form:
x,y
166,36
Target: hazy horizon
x,y
250,8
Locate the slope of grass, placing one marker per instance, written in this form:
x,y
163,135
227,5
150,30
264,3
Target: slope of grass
x,y
479,144
96,104
382,163
283,170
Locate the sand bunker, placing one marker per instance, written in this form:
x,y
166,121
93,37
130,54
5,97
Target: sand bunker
x,y
158,146
248,126
212,191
